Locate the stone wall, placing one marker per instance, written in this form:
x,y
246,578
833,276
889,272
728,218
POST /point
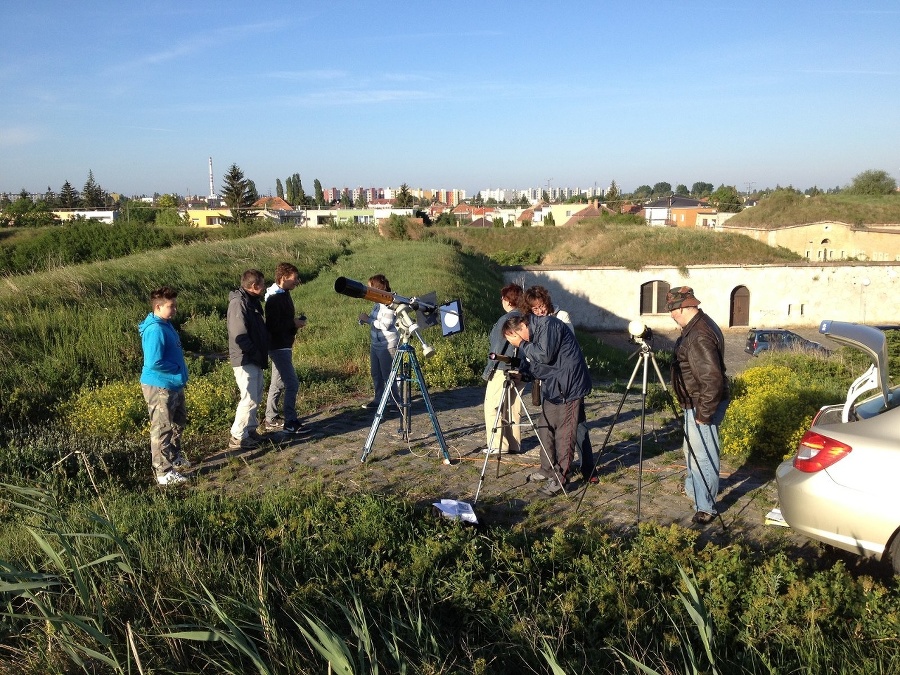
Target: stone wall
x,y
801,295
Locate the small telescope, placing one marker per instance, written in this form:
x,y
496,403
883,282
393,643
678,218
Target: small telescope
x,y
511,361
639,332
429,312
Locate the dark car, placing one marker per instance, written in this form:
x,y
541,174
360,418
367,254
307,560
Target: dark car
x,y
841,486
779,339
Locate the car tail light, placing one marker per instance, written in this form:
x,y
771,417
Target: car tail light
x,y
817,452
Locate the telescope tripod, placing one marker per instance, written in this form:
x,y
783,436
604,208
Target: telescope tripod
x,y
404,370
501,422
646,357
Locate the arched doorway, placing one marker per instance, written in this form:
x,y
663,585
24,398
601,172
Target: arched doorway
x,y
740,307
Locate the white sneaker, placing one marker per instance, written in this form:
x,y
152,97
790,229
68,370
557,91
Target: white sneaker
x,y
490,451
171,478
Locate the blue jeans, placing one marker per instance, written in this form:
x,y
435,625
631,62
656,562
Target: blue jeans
x,y
702,480
284,381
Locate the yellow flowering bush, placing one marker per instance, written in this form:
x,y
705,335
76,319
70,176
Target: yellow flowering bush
x,y
770,409
112,409
119,409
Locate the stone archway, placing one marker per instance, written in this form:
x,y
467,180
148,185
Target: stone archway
x,y
739,314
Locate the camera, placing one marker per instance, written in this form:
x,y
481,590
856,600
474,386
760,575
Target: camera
x,y
511,361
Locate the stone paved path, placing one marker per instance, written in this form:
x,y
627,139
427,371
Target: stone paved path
x,y
413,468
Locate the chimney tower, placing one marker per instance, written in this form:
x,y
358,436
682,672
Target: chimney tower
x,y
212,189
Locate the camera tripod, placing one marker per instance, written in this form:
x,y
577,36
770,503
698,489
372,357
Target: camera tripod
x,y
500,422
645,356
404,370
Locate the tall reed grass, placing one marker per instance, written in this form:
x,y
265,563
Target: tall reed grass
x,y
300,581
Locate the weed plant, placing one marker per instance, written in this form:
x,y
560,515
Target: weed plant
x,y
300,581
785,207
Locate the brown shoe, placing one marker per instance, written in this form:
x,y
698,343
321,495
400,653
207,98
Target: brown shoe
x,y
703,518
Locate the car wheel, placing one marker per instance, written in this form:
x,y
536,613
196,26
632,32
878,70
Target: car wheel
x,y
894,552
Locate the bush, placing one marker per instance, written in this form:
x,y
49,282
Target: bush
x,y
771,407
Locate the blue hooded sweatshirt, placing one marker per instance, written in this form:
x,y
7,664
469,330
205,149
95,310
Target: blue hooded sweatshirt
x,y
164,364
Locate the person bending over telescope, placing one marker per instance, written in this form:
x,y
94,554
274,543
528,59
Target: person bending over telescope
x,y
553,356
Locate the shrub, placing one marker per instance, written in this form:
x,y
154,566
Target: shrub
x,y
770,409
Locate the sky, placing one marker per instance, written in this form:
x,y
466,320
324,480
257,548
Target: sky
x,y
467,95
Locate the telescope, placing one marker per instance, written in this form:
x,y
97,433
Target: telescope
x,y
639,333
511,361
429,313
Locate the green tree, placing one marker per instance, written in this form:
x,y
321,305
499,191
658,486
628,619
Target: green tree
x,y
361,200
727,198
446,219
404,198
699,190
299,195
68,196
320,193
92,194
167,201
872,182
346,199
642,192
25,212
613,194
662,189
279,189
237,196
549,220
254,194
681,189
289,195
523,201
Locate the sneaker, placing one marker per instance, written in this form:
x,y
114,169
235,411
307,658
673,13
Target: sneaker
x,y
536,477
171,478
181,463
591,478
369,404
490,451
553,487
247,443
275,425
295,427
703,518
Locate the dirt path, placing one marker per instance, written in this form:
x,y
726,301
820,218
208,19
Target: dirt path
x,y
415,469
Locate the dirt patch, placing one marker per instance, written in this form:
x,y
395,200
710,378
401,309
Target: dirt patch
x,y
413,468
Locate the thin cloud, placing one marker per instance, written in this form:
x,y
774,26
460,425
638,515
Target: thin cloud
x,y
17,136
306,75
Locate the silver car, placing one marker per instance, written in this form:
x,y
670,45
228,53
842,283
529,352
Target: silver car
x,y
843,485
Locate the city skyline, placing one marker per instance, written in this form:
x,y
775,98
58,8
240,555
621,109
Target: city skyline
x,y
473,97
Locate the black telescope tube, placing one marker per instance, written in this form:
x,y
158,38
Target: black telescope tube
x,y
346,286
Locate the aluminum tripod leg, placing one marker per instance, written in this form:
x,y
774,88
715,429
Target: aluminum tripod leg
x,y
405,357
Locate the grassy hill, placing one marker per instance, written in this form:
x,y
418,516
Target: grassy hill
x,y
784,208
600,242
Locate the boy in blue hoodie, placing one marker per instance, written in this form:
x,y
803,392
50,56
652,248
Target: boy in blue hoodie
x,y
162,381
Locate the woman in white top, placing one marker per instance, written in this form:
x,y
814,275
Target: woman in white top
x,y
384,340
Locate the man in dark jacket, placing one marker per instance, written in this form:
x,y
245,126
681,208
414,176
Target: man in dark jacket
x,y
552,355
283,325
698,377
248,352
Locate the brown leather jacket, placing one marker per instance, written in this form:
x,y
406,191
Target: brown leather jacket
x,y
698,372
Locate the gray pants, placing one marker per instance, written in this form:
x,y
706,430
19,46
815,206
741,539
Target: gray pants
x,y
168,416
283,386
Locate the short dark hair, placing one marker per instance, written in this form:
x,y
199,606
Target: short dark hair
x,y
285,269
513,323
162,294
534,296
380,282
512,293
252,278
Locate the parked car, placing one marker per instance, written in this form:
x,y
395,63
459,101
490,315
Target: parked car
x,y
842,487
779,339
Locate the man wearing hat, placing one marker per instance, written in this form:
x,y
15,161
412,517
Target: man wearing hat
x,y
698,377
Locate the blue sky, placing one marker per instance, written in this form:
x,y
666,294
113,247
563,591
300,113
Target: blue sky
x,y
447,94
